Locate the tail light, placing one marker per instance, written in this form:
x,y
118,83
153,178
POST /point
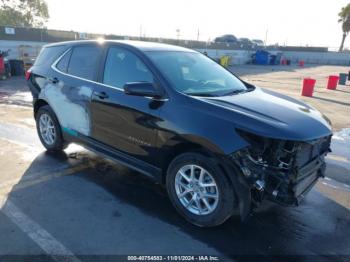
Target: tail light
x,y
28,73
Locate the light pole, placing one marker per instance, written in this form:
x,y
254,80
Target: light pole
x,y
178,34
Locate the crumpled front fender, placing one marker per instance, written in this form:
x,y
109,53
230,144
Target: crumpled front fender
x,y
241,188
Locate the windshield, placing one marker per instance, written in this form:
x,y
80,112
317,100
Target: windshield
x,y
195,74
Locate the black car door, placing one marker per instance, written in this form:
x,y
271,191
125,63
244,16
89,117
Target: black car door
x,y
69,88
119,120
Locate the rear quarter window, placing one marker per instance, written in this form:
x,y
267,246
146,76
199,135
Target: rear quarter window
x,y
49,54
62,65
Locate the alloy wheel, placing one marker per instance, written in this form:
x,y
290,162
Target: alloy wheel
x,y
196,189
47,129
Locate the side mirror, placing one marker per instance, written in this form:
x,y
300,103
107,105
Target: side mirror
x,y
141,89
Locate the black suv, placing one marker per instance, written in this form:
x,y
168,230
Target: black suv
x,y
219,144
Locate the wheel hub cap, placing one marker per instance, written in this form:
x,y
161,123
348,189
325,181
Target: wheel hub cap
x,y
196,189
47,129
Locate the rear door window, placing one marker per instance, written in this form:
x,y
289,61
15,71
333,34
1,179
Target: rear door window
x,y
84,62
122,66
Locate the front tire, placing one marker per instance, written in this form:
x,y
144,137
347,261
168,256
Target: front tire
x,y
200,190
49,129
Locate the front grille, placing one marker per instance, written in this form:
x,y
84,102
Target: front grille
x,y
310,150
288,168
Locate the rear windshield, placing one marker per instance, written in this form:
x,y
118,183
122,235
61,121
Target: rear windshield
x,y
49,54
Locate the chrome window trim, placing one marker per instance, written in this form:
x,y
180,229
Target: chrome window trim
x,y
54,64
54,67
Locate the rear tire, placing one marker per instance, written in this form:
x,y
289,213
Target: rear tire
x,y
210,199
49,129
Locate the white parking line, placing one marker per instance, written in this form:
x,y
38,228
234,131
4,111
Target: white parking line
x,y
335,184
40,236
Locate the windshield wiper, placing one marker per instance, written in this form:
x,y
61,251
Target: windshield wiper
x,y
201,94
234,92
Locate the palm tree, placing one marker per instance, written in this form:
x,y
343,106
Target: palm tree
x,y
344,18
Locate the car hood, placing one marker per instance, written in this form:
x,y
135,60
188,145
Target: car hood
x,y
267,113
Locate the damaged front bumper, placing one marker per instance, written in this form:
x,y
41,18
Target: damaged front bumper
x,y
279,170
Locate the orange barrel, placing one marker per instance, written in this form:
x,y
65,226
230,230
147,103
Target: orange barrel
x,y
308,87
301,63
332,82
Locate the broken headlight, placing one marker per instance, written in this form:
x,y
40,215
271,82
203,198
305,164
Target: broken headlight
x,y
264,151
257,149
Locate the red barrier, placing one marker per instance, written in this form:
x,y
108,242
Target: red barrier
x,y
332,82
2,65
308,87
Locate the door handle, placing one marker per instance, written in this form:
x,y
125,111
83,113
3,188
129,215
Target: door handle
x,y
101,95
53,80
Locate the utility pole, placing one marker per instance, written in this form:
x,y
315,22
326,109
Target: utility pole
x,y
178,34
267,31
198,34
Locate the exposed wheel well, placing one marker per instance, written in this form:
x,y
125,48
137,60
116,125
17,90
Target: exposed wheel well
x,y
39,103
195,148
181,149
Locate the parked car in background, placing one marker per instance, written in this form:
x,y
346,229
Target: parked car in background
x,y
217,143
258,42
226,39
245,42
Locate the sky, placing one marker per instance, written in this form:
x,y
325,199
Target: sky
x,y
292,22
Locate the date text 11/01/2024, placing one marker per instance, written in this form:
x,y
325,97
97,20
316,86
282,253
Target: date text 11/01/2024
x,y
173,258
